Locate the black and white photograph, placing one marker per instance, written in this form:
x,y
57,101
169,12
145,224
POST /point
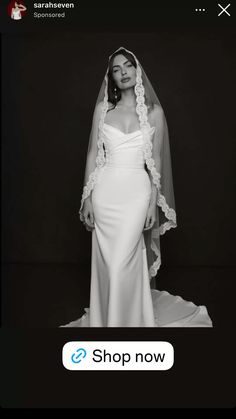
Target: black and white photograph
x,y
118,179
121,201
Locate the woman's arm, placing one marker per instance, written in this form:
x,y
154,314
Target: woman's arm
x,y
156,119
153,199
151,212
92,150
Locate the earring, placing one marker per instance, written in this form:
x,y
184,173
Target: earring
x,y
115,90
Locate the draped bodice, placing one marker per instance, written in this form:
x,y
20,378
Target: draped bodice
x,y
124,149
16,14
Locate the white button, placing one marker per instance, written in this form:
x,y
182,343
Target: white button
x,y
118,355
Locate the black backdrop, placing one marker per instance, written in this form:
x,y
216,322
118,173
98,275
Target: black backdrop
x,y
50,81
50,85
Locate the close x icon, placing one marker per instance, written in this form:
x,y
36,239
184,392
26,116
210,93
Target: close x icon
x,y
224,9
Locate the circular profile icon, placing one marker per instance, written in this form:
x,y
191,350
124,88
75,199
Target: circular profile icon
x,y
16,9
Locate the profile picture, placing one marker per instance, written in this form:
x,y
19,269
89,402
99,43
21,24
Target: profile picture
x,y
16,9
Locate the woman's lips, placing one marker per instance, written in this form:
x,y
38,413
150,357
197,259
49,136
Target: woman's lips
x,y
125,80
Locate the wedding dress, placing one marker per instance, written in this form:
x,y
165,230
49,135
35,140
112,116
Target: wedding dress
x,y
120,292
16,14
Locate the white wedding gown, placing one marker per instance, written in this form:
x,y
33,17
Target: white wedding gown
x,y
120,293
16,14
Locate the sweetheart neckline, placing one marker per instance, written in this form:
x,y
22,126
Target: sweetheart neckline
x,y
125,133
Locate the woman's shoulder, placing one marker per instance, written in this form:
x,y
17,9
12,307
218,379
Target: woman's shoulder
x,y
100,105
156,112
155,109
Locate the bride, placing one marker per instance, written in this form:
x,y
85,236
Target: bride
x,y
16,11
127,203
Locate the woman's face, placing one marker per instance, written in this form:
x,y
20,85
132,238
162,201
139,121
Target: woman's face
x,y
123,69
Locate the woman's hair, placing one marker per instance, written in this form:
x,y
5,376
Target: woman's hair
x,y
111,83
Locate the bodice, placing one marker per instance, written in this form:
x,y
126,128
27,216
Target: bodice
x,y
124,149
16,14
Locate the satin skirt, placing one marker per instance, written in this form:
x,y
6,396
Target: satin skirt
x,y
120,293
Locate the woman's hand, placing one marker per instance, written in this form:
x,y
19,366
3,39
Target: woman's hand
x,y
151,217
88,212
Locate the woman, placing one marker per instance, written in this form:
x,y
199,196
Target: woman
x,y
127,203
16,11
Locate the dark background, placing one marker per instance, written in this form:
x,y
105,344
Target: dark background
x,y
50,86
50,82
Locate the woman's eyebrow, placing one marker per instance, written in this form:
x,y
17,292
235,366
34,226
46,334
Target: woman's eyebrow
x,y
119,65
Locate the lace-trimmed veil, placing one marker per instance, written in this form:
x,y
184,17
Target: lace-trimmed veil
x,y
157,156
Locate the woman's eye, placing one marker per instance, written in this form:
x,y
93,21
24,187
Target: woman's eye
x,y
128,65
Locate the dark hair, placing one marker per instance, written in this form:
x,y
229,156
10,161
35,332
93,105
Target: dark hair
x,y
111,83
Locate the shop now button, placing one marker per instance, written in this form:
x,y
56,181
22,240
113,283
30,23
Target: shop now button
x,y
117,355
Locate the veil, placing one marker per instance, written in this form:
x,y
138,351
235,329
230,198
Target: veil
x,y
156,152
